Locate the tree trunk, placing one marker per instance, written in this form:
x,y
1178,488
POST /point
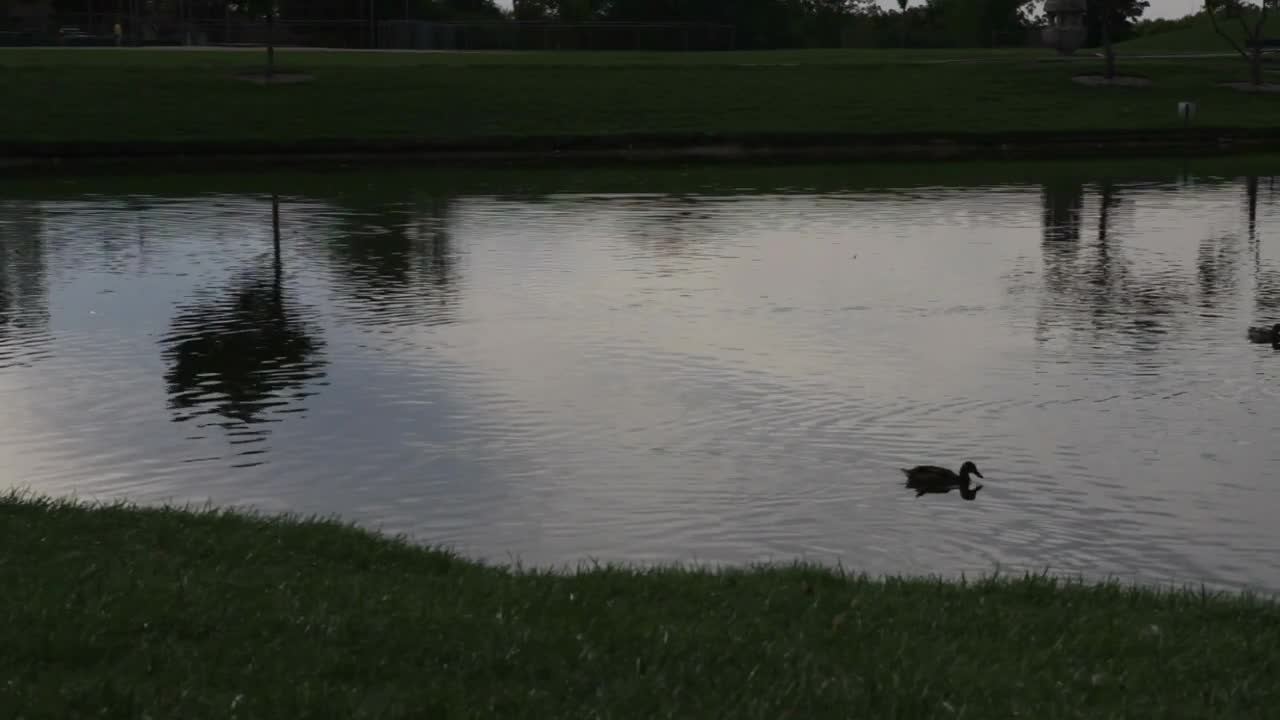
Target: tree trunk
x,y
271,41
1251,197
1108,52
275,240
1251,51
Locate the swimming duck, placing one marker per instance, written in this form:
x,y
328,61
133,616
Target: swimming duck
x,y
1265,334
933,479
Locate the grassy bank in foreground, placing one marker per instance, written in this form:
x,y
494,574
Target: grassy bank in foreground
x,y
119,612
120,96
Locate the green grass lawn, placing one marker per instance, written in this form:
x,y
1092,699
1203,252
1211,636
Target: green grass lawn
x,y
116,612
105,96
343,182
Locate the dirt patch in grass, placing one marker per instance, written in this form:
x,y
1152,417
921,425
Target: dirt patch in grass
x,y
275,78
1117,81
1250,87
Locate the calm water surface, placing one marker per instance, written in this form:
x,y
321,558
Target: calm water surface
x,y
726,373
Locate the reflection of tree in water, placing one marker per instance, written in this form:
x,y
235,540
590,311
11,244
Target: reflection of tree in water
x,y
244,354
1219,258
1154,301
1094,288
1109,272
121,235
668,226
396,262
1217,262
24,295
1266,280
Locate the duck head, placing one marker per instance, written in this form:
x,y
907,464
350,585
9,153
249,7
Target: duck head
x,y
967,468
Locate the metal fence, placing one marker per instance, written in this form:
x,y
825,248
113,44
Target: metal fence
x,y
347,34
90,29
83,29
422,35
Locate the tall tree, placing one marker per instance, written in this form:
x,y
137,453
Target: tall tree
x,y
457,10
529,10
974,23
1118,17
575,11
1105,17
1252,50
272,11
902,10
758,23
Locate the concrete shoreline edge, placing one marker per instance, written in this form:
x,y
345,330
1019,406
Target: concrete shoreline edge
x,y
657,147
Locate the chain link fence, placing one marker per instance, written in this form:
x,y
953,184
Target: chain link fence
x,y
421,35
142,29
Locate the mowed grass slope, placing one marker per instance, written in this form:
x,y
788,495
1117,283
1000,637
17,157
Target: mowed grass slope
x,y
1199,37
126,613
105,96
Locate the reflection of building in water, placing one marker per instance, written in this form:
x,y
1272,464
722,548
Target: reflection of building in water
x,y
24,292
1061,207
395,262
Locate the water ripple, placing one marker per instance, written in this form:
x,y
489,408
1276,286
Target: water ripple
x,y
723,377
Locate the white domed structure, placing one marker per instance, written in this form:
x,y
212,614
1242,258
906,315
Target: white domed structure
x,y
1066,31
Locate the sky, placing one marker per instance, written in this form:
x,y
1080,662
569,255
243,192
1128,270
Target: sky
x,y
1158,9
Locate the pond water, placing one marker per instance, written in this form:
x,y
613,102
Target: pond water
x,y
698,364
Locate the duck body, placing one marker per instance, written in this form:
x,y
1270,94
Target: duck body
x,y
933,479
1262,334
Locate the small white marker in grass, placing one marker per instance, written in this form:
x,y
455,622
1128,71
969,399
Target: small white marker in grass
x,y
1186,111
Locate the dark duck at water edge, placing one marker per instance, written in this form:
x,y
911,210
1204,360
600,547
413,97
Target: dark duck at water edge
x,y
1262,334
933,479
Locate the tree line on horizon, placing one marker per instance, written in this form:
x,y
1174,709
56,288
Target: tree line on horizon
x,y
757,23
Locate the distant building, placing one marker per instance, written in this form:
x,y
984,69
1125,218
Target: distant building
x,y
1065,31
